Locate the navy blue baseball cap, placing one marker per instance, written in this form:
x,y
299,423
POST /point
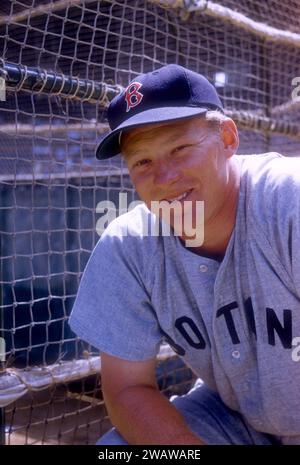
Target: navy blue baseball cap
x,y
169,93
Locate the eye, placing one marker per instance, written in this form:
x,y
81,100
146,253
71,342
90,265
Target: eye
x,y
180,148
142,163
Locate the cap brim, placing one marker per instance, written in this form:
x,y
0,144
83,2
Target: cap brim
x,y
109,146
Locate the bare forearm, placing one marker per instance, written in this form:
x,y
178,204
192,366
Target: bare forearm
x,y
143,415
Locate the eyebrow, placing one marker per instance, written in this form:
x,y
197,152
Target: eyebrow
x,y
135,150
127,156
173,138
131,153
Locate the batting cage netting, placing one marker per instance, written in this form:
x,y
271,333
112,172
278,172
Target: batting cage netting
x,y
61,63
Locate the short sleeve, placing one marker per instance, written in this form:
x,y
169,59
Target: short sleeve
x,y
112,310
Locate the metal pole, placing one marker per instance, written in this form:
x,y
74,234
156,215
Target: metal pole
x,y
2,346
22,77
2,426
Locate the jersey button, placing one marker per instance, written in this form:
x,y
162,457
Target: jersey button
x,y
203,268
235,354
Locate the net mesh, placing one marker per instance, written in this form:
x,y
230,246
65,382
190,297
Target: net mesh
x,y
51,183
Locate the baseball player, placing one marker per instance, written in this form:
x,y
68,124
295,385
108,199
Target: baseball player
x,y
227,300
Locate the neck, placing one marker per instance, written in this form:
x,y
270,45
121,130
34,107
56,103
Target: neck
x,y
219,230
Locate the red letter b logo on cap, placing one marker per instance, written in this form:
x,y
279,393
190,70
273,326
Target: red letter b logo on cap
x,y
132,95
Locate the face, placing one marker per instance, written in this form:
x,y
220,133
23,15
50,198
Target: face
x,y
188,158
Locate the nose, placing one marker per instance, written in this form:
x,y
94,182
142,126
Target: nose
x,y
166,174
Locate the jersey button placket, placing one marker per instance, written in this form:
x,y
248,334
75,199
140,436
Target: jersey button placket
x,y
235,354
203,268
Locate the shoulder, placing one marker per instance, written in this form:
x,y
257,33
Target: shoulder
x,y
270,188
128,238
132,229
269,179
270,170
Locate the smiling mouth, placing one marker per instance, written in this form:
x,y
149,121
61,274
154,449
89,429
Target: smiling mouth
x,y
179,197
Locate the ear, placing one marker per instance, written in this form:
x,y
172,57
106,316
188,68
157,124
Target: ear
x,y
229,136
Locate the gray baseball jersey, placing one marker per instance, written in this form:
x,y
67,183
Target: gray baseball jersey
x,y
234,321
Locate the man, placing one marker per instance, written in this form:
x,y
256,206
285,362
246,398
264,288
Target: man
x,y
229,305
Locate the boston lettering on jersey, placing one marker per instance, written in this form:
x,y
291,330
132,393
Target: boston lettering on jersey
x,y
186,326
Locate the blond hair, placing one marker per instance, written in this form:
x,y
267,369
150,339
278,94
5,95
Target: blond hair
x,y
214,118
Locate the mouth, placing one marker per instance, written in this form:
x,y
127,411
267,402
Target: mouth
x,y
179,197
